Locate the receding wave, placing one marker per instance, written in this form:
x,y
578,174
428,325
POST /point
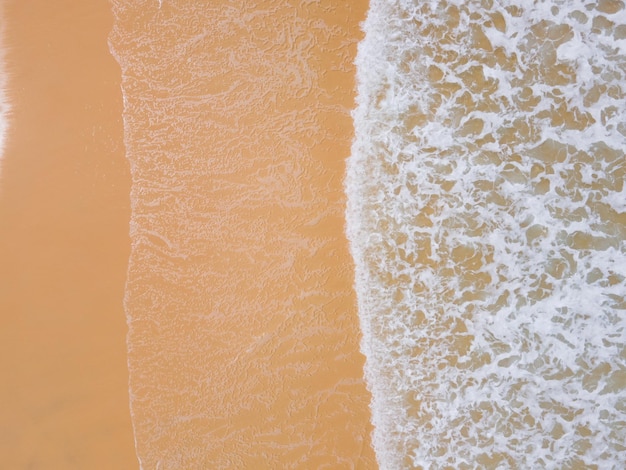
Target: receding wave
x,y
487,218
243,333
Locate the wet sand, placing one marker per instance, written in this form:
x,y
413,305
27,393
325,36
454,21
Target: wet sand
x,y
64,245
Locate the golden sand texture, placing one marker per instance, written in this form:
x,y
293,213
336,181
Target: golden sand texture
x,y
64,243
4,105
244,335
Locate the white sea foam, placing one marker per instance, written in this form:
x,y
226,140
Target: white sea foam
x,y
486,215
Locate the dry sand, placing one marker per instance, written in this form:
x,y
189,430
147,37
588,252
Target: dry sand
x,y
64,246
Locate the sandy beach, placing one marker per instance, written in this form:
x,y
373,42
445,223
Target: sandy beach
x,y
64,246
244,337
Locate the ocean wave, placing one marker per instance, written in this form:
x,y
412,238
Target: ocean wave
x,y
486,218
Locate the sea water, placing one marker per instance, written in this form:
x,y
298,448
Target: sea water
x,y
487,216
243,332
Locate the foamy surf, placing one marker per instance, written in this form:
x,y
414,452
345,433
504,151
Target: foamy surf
x,y
486,215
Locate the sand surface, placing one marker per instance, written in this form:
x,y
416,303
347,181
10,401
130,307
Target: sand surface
x,y
64,246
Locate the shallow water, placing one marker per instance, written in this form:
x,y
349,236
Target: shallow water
x,y
243,342
486,214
